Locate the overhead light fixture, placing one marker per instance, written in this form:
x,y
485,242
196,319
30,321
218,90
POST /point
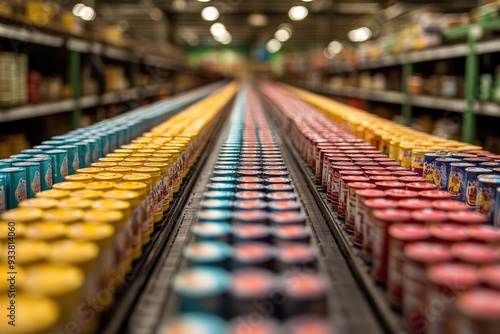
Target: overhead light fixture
x,y
77,9
360,35
335,47
298,13
210,13
218,29
257,20
286,26
273,46
203,0
307,0
156,14
282,35
224,38
86,13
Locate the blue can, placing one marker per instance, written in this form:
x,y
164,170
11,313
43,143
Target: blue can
x,y
209,253
429,172
46,175
15,185
59,164
3,193
212,232
93,150
489,164
73,158
53,143
83,154
4,163
476,160
218,195
487,187
44,148
33,184
442,172
457,181
32,151
22,157
471,175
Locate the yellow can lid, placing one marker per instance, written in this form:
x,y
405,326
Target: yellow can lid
x,y
103,164
39,202
136,159
29,317
79,178
52,280
29,252
163,167
101,234
158,159
74,203
144,150
90,170
87,194
80,253
123,151
140,155
108,176
139,177
139,187
152,147
71,186
132,197
20,276
17,229
22,215
104,216
130,164
122,170
100,185
131,147
111,159
153,171
46,231
107,204
54,193
116,154
65,216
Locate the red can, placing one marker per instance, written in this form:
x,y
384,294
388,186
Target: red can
x,y
320,160
411,179
446,281
381,178
362,211
370,173
384,159
369,224
474,254
479,311
485,234
387,185
399,194
390,164
421,186
367,168
490,276
334,184
401,235
401,173
351,212
414,204
434,194
429,217
448,234
333,178
344,191
383,219
419,256
398,168
450,205
467,218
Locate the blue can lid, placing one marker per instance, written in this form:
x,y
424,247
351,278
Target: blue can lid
x,y
490,164
478,170
489,178
447,160
462,164
32,151
202,282
211,230
221,186
67,147
21,156
225,173
218,194
192,322
56,151
214,215
223,179
43,147
12,170
25,164
53,142
216,204
207,252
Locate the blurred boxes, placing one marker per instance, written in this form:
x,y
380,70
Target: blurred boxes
x,y
13,78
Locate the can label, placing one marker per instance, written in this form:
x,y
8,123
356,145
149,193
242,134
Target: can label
x,y
486,200
441,175
2,196
64,167
48,175
456,182
76,162
20,192
35,184
471,192
429,171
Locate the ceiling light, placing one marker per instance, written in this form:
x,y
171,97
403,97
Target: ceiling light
x,y
87,13
360,35
282,35
156,14
273,46
77,9
210,13
307,0
335,47
225,38
298,13
286,26
257,20
218,29
203,0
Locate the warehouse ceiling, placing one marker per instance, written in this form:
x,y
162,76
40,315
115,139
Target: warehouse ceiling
x,y
180,22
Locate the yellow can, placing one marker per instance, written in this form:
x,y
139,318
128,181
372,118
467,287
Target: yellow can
x,y
74,203
39,203
22,215
155,191
405,154
54,194
5,283
87,194
63,216
28,252
139,177
104,164
108,176
85,178
9,230
90,170
100,185
70,186
130,164
111,159
46,232
122,170
136,159
166,193
29,317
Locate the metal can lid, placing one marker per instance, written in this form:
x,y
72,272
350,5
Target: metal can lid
x,y
207,252
216,204
287,217
450,205
354,178
284,180
404,173
361,185
370,193
69,186
251,252
291,232
214,215
279,187
201,282
250,187
473,252
218,194
221,186
284,206
250,283
247,195
455,276
250,205
350,172
249,231
429,216
381,203
421,186
414,204
393,168
281,196
304,286
250,216
211,229
390,184
434,194
449,232
409,232
377,173
249,179
411,179
383,178
467,217
401,193
480,303
293,253
486,233
489,178
392,215
428,252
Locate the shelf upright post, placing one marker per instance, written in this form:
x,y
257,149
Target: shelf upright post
x,y
74,80
134,81
406,74
471,76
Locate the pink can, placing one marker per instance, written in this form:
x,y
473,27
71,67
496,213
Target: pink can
x,y
479,311
351,212
399,194
475,254
383,219
401,235
485,234
361,212
421,186
414,204
429,217
388,185
448,234
450,205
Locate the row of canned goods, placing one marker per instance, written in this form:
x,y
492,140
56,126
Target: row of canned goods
x,y
250,266
37,169
75,243
437,258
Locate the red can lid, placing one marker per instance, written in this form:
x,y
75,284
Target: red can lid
x,y
472,252
414,204
390,165
250,186
381,203
383,159
291,231
491,275
428,252
421,186
392,215
455,276
335,159
370,193
361,185
429,216
377,173
486,233
360,158
382,178
450,205
434,194
410,179
404,173
390,184
354,178
250,230
343,164
401,193
480,303
449,232
351,172
374,167
467,217
409,232
397,168
304,285
249,179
